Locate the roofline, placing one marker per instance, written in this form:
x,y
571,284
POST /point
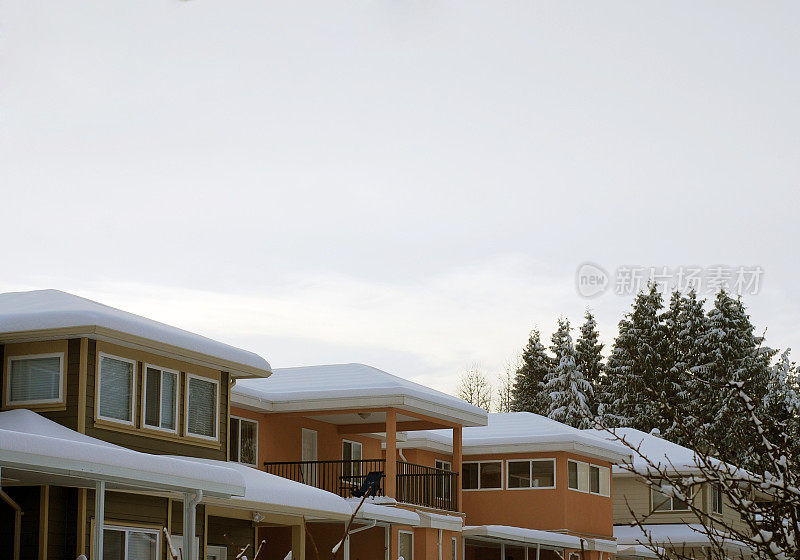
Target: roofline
x,y
594,452
402,402
252,505
45,464
237,370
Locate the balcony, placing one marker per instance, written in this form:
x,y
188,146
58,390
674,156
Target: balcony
x,y
418,485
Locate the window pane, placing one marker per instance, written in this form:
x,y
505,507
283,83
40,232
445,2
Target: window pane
x,y
543,474
152,397
491,476
34,379
583,477
679,505
572,474
406,545
519,474
249,443
661,502
113,545
605,481
716,499
469,476
233,439
594,479
142,546
202,419
169,388
116,386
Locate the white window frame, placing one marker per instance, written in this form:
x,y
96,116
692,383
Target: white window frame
x,y
98,384
589,478
239,440
128,530
530,474
412,543
7,396
711,507
177,398
186,431
600,469
671,500
479,489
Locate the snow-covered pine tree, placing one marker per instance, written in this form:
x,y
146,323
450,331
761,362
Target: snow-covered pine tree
x,y
633,383
569,392
735,355
528,393
588,355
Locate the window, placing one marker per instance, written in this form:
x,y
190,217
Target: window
x,y
202,403
116,388
534,473
351,455
406,545
161,398
244,440
716,499
125,543
584,477
34,379
486,475
454,549
663,502
443,481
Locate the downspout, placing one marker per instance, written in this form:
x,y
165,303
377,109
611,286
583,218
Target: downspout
x,y
17,519
190,502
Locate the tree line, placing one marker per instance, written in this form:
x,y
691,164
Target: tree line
x,y
687,354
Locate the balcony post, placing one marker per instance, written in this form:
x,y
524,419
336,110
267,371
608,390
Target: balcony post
x,y
457,460
391,454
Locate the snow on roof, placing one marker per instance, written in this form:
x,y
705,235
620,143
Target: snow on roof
x,y
268,492
635,551
54,309
663,453
372,510
549,539
674,535
32,443
522,432
348,386
522,535
440,521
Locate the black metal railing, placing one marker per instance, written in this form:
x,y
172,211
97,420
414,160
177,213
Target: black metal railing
x,y
426,486
339,477
416,484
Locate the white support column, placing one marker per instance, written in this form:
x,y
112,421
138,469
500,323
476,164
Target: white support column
x,y
440,544
526,553
387,539
99,518
538,551
502,551
347,547
189,526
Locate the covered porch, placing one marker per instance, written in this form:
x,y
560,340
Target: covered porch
x,y
501,542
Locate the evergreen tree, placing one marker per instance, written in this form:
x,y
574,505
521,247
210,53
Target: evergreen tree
x,y
686,326
528,395
588,355
735,356
569,392
635,372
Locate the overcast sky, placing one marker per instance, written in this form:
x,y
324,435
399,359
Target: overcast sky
x,y
409,184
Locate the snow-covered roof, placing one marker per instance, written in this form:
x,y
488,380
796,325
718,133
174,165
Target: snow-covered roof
x,y
519,432
373,509
48,310
670,456
672,535
524,536
635,551
30,443
350,386
440,521
268,492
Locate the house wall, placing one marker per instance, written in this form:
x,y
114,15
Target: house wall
x,y
558,509
138,436
631,492
280,437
